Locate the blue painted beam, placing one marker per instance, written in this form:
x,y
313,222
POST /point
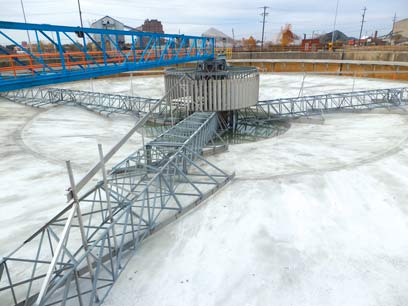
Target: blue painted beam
x,y
57,28
48,79
140,50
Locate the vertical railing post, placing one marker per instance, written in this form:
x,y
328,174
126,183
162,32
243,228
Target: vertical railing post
x,y
80,221
108,202
85,49
133,48
131,85
39,50
104,50
12,66
155,48
56,256
31,64
61,51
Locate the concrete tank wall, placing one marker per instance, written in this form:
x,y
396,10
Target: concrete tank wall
x,y
371,69
398,56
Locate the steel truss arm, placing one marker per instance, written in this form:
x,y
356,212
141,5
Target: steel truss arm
x,y
141,194
312,105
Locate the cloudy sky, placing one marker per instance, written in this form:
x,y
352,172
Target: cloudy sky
x,y
195,16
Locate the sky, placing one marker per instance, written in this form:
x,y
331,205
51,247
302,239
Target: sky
x,y
193,17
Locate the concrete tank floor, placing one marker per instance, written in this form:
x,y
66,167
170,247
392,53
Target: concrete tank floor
x,y
316,216
34,147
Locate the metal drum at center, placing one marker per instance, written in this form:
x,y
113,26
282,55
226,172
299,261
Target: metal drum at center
x,y
212,86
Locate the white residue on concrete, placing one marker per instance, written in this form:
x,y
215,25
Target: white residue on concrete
x,y
35,145
316,216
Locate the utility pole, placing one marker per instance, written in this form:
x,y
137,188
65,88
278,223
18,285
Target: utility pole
x,y
25,20
80,14
393,26
233,39
82,26
263,14
362,23
335,21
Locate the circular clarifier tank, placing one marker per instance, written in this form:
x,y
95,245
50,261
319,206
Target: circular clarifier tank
x,y
327,199
271,86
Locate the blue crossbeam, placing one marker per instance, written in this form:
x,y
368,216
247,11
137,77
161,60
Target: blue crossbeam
x,y
62,54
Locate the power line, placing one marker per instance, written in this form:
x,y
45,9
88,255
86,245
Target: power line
x,y
263,14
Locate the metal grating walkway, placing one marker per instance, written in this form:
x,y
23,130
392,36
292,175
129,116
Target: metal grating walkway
x,y
316,105
77,256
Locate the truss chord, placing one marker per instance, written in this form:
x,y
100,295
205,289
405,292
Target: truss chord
x,y
149,189
41,67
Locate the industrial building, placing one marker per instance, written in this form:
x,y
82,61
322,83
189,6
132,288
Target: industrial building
x,y
152,26
109,23
222,39
400,31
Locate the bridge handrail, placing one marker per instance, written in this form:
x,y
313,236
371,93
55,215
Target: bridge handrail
x,y
97,52
332,95
48,27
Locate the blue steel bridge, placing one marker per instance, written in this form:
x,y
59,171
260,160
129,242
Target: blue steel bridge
x,y
62,54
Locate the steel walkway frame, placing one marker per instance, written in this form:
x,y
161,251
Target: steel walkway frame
x,y
259,113
77,256
116,52
101,103
318,104
252,117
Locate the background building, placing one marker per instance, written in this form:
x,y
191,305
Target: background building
x,y
109,23
222,40
400,32
152,26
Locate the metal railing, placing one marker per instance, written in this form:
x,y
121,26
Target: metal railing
x,y
77,256
312,105
101,103
95,101
62,54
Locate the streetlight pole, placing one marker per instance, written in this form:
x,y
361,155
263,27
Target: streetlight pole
x,y
25,20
